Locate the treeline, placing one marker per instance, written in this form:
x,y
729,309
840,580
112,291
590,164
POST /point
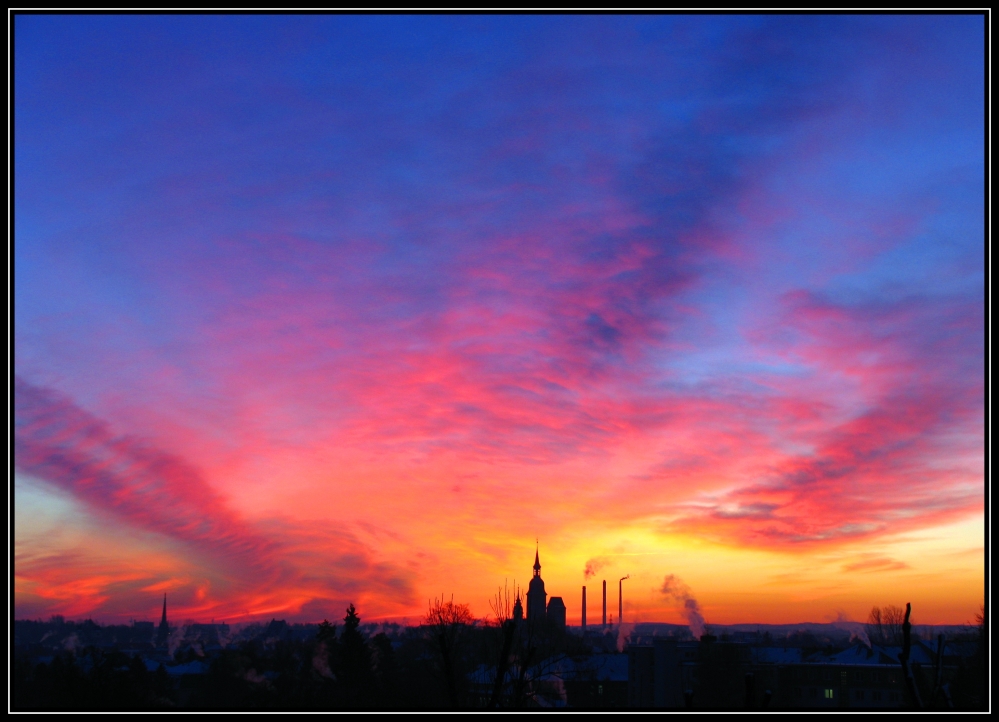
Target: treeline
x,y
431,666
92,679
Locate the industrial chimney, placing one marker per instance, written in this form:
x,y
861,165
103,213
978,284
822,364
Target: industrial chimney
x,y
605,603
584,607
620,600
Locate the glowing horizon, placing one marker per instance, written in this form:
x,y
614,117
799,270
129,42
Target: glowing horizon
x,y
330,309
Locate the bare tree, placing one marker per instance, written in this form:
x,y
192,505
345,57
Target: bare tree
x,y
501,609
903,657
530,651
539,651
500,604
446,621
884,625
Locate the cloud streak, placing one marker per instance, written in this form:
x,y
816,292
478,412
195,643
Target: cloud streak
x,y
270,563
881,468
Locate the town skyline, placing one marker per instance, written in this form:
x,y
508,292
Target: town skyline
x,y
322,310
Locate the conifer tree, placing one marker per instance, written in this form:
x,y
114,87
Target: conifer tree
x,y
355,673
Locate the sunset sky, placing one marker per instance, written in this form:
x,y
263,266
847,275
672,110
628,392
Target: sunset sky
x,y
318,310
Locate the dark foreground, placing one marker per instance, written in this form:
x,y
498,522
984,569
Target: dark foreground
x,y
464,664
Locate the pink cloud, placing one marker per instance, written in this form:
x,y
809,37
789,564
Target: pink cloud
x,y
269,564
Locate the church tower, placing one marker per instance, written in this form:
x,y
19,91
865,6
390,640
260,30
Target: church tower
x,y
163,633
537,598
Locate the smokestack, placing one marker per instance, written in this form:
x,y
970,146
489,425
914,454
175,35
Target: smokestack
x,y
620,599
605,603
584,607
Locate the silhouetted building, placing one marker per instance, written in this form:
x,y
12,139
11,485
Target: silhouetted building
x,y
163,633
600,680
536,595
556,612
211,635
518,608
659,673
539,609
662,673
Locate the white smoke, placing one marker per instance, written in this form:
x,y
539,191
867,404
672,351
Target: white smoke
x,y
675,590
71,643
623,632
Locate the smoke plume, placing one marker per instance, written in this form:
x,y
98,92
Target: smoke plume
x,y
675,590
594,565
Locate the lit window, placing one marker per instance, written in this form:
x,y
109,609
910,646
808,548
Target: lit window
x,y
829,694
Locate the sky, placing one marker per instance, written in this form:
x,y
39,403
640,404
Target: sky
x,y
322,310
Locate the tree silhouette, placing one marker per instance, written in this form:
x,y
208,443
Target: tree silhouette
x,y
327,631
884,625
354,671
386,670
903,658
446,622
501,608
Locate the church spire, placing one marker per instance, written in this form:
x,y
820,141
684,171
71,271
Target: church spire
x,y
537,563
163,633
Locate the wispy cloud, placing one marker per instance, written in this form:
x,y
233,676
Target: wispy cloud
x,y
875,564
271,564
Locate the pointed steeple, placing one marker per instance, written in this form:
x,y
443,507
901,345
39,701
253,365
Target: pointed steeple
x,y
536,596
163,633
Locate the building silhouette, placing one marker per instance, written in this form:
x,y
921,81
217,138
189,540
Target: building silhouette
x,y
556,612
518,609
536,595
163,633
539,607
